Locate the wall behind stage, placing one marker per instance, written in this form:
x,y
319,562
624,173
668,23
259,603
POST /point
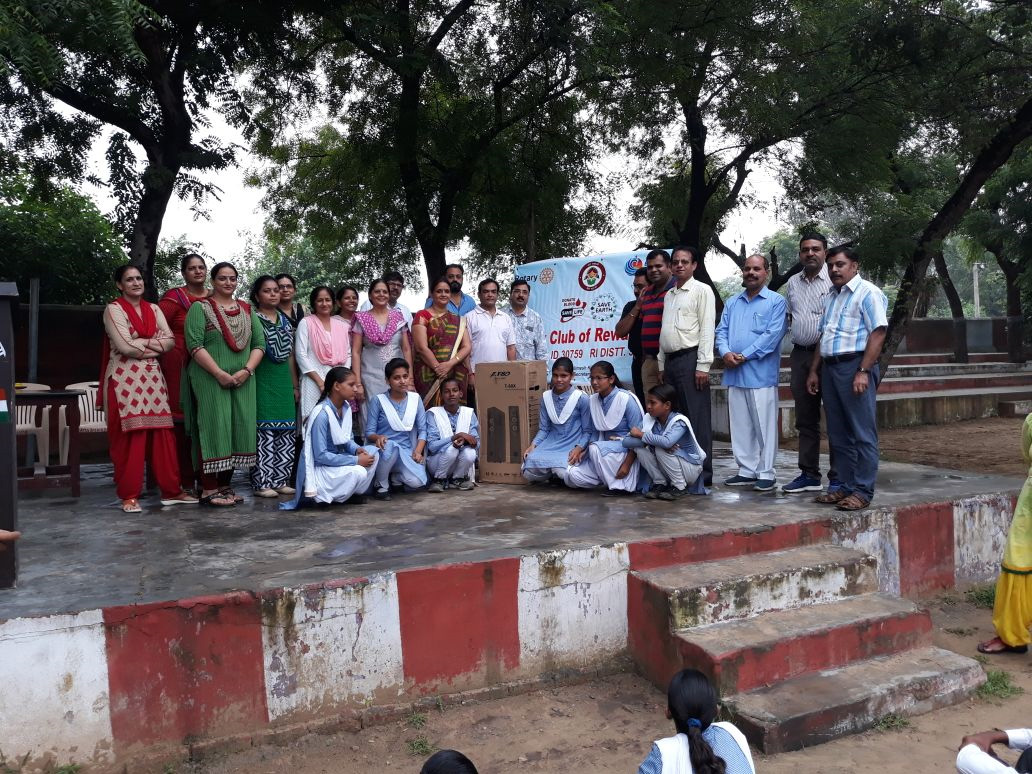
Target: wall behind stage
x,y
580,301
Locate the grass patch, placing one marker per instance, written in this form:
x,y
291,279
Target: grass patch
x,y
960,631
416,720
948,599
894,721
998,685
981,596
68,768
981,658
420,746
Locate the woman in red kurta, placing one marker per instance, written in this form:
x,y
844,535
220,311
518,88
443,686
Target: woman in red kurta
x,y
174,305
135,395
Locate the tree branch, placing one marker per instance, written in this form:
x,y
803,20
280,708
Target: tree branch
x,y
106,112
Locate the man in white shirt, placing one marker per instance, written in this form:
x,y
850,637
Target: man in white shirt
x,y
526,323
395,287
490,330
686,348
976,754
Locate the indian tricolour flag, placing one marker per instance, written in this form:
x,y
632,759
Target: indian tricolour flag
x,y
5,412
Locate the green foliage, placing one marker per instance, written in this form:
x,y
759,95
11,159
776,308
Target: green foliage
x,y
420,746
59,236
998,685
447,127
416,720
982,596
894,721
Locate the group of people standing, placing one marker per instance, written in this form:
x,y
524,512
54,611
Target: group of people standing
x,y
203,384
838,323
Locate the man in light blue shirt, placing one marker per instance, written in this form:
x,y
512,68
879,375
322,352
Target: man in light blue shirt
x,y
845,370
748,338
460,303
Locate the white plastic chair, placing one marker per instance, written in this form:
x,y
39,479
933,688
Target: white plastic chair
x,y
91,418
34,420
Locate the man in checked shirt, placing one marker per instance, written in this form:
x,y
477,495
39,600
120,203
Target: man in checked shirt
x,y
806,294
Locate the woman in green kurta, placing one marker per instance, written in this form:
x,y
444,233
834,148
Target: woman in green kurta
x,y
277,392
226,344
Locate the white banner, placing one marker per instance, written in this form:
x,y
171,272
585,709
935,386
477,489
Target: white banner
x,y
580,301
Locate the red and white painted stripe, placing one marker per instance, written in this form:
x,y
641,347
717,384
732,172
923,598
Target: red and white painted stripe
x,y
104,686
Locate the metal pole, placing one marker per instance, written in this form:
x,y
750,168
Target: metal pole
x,y
974,286
8,456
33,372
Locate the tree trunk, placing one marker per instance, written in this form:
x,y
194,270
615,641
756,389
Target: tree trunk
x,y
159,183
960,350
992,156
1015,317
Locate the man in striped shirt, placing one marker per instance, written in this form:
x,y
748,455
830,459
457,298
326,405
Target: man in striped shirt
x,y
846,360
806,293
650,305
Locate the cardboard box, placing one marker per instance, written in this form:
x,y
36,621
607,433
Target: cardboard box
x,y
508,401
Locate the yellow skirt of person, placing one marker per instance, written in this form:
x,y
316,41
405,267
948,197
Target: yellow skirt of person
x,y
1012,611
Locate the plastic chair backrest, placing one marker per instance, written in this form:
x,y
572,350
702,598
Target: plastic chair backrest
x,y
89,414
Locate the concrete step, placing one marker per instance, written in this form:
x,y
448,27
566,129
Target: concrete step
x,y
832,703
744,586
929,358
1014,408
914,371
898,409
750,653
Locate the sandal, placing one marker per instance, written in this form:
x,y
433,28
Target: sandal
x,y
227,492
996,645
209,500
853,502
831,498
132,505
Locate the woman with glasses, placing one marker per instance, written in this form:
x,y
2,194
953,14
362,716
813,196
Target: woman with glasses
x,y
288,289
226,343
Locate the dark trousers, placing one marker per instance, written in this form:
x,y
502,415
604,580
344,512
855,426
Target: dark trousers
x,y
852,425
808,418
679,373
639,390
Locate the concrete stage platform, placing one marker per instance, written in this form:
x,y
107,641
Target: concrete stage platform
x,y
165,633
83,553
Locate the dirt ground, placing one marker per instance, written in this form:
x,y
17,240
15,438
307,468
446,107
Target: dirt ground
x,y
607,725
982,445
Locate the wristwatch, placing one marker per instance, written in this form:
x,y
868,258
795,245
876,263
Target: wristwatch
x,y
862,370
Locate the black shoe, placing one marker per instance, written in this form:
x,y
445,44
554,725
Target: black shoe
x,y
382,495
671,493
655,493
357,499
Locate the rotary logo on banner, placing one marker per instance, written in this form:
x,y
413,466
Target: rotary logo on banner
x,y
580,301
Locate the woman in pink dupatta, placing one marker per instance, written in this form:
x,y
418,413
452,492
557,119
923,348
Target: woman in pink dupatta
x,y
320,344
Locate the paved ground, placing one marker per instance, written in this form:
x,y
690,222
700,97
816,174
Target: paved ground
x,y
85,553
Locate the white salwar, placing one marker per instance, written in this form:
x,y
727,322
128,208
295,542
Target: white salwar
x,y
606,453
331,483
452,462
753,412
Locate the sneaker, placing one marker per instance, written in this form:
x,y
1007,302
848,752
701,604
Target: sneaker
x,y
765,484
462,484
384,495
672,493
656,492
834,485
739,481
437,485
802,483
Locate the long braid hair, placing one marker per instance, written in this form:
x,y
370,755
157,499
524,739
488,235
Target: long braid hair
x,y
693,707
334,376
